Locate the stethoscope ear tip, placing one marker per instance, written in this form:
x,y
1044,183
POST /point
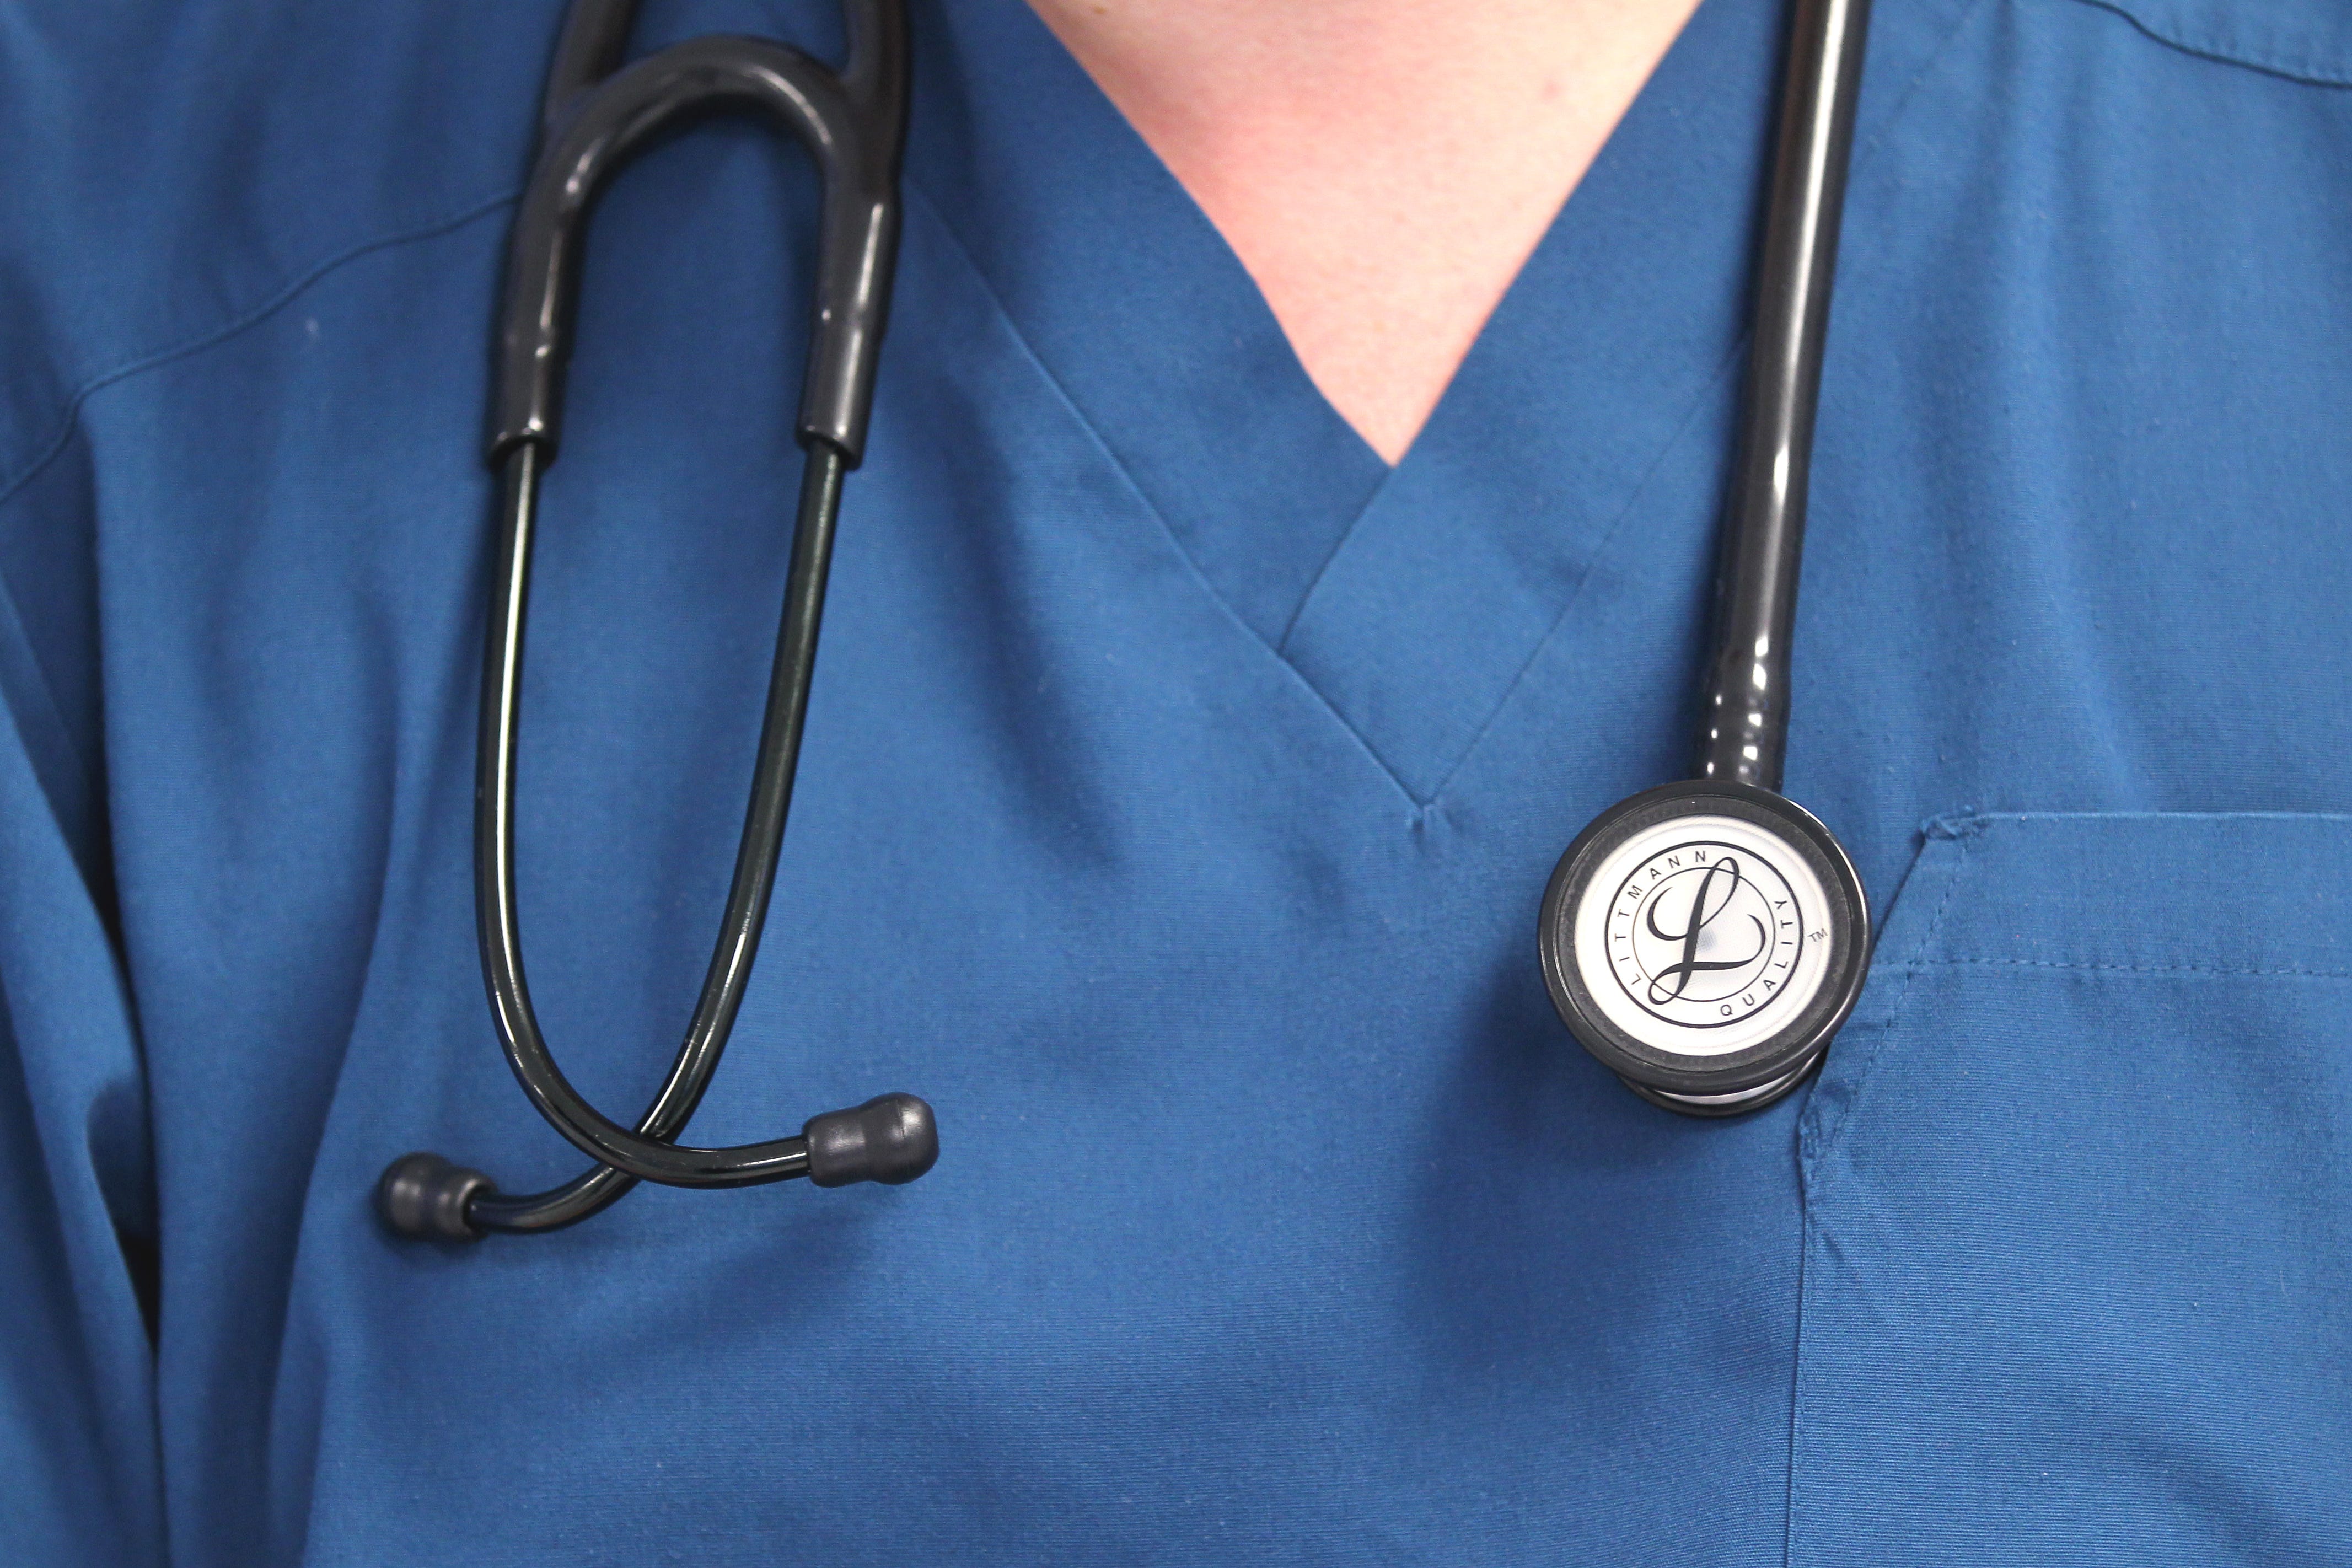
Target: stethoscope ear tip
x,y
892,1137
426,1198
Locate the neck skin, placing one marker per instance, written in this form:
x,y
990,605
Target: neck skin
x,y
1381,167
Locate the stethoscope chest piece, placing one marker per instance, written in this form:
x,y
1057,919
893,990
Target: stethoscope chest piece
x,y
1705,941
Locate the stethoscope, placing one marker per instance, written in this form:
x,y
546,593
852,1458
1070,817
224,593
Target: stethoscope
x,y
593,119
1703,939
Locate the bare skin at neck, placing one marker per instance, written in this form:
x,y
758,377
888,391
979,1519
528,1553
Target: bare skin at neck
x,y
1381,167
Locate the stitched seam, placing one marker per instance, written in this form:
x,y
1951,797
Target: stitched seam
x,y
1805,1238
1932,62
69,422
2308,70
286,294
51,717
1977,822
1911,968
1323,567
1593,563
2133,968
914,191
1813,1153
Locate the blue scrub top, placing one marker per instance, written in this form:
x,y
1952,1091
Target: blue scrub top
x,y
1179,790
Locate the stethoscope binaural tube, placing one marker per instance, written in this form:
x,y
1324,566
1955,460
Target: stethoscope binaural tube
x,y
853,124
1705,940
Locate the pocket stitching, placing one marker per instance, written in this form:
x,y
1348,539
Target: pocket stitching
x,y
1820,1138
1826,1134
2128,968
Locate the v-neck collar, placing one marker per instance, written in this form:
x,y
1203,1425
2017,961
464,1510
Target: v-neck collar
x,y
1410,599
1134,305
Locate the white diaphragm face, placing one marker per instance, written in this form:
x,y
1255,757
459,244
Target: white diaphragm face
x,y
1703,935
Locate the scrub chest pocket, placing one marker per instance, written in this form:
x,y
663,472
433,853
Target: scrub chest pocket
x,y
2078,1211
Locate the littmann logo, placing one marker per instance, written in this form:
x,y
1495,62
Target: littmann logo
x,y
1706,934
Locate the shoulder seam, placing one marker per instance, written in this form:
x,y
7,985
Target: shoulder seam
x,y
48,450
2229,51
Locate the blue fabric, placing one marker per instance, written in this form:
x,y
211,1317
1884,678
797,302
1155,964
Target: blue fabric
x,y
1178,792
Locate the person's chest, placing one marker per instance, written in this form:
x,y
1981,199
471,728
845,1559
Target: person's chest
x,y
1178,792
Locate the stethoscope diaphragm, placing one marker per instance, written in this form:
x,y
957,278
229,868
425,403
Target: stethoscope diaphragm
x,y
1705,941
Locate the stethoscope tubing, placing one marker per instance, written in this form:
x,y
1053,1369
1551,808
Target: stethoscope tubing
x,y
1745,694
594,120
644,1151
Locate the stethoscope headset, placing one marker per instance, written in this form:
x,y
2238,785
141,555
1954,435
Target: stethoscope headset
x,y
1703,939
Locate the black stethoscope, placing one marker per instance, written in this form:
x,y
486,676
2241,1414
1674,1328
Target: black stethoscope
x,y
1703,939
